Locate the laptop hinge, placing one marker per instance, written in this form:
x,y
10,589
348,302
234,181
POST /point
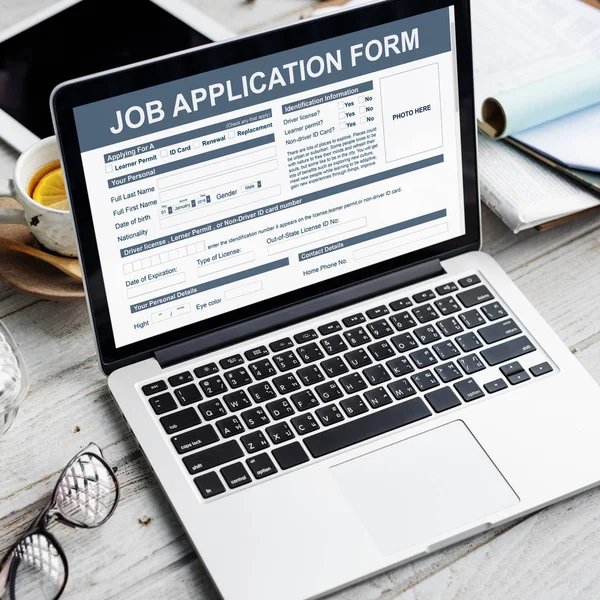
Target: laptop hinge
x,y
243,330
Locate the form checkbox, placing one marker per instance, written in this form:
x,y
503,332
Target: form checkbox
x,y
343,125
341,105
128,268
155,260
196,143
231,134
163,153
146,262
164,257
137,265
363,119
109,168
361,99
363,109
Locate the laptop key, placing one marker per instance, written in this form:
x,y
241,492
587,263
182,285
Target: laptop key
x,y
310,375
329,328
448,372
400,366
231,361
369,426
255,417
304,424
517,378
212,409
238,377
235,475
427,335
195,439
253,442
353,383
446,350
286,361
468,342
262,369
230,426
442,399
334,345
378,397
279,409
206,370
262,392
469,281
180,420
357,337
472,318
286,384
468,389
495,386
450,326
329,415
180,379
447,306
329,391
378,311
237,400
400,304
213,386
209,485
423,358
510,368
306,336
304,400
403,321
377,374
381,350
336,366
401,389
494,311
404,342
541,369
380,329
154,388
310,353
354,406
471,364
279,433
281,344
425,313
290,456
189,394
474,296
447,288
256,353
261,466
423,296
354,320
499,331
358,358
163,403
425,380
508,350
213,457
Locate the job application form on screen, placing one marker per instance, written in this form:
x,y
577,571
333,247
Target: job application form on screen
x,y
223,189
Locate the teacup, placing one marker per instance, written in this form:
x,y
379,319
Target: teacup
x,y
51,227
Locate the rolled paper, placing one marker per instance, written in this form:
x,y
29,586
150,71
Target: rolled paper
x,y
542,101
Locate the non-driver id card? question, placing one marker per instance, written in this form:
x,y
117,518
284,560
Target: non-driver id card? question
x,y
227,188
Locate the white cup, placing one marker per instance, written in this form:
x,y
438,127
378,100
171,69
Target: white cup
x,y
51,227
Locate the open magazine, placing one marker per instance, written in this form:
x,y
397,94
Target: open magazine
x,y
537,81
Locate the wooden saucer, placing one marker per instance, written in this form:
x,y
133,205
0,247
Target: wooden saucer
x,y
31,275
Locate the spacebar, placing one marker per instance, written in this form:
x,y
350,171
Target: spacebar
x,y
367,427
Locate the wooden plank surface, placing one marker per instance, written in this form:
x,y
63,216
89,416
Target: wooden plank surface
x,y
143,553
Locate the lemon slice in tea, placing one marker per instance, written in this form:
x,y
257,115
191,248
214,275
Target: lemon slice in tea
x,y
50,191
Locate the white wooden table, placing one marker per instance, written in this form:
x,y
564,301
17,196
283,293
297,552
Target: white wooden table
x,y
143,552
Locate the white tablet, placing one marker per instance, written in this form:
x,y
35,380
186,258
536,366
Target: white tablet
x,y
79,37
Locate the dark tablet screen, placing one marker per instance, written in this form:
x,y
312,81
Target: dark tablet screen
x,y
90,36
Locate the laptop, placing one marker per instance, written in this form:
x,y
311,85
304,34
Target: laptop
x,y
280,241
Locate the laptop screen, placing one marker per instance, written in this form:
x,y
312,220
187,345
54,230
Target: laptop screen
x,y
220,190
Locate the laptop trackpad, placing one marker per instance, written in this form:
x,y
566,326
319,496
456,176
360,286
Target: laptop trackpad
x,y
420,489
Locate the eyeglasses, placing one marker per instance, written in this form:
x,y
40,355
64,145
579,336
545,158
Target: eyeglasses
x,y
85,496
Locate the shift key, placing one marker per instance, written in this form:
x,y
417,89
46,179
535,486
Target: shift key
x,y
508,350
213,457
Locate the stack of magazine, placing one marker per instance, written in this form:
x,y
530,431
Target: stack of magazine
x,y
537,81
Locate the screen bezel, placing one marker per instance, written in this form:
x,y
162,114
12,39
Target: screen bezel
x,y
120,81
20,137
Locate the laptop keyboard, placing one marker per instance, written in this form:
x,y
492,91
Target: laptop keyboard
x,y
276,406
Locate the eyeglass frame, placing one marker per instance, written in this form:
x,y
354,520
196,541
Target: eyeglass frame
x,y
45,517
